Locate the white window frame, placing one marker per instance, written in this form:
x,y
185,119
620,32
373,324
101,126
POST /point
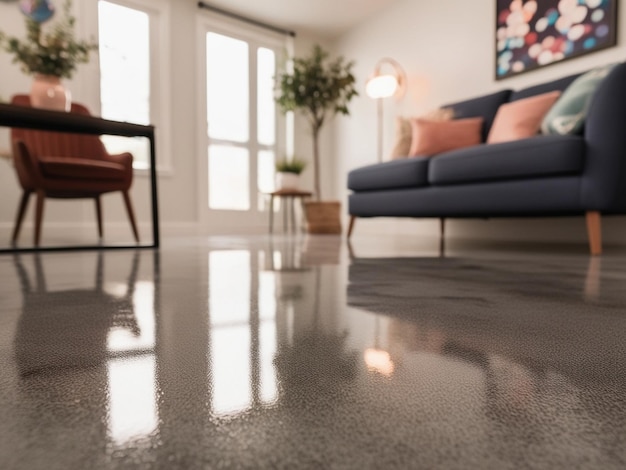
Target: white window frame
x,y
158,12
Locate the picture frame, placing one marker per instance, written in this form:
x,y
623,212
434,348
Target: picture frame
x,y
532,34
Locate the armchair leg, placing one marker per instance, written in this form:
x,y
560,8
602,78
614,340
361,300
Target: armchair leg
x,y
131,214
351,225
21,211
99,215
41,196
594,232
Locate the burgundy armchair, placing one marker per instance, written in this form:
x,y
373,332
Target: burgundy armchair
x,y
64,165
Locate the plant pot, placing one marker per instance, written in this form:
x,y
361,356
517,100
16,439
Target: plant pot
x,y
323,217
48,92
286,180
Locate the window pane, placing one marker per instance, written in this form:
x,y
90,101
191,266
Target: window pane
x,y
266,61
124,51
227,88
265,177
229,171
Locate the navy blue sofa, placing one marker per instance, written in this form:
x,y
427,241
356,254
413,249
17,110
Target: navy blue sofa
x,y
538,176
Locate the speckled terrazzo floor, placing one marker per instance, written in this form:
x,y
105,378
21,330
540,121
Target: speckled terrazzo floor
x,y
250,352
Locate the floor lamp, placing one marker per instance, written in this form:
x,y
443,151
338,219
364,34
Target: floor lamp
x,y
384,85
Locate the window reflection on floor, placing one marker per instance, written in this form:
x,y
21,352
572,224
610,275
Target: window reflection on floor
x,y
243,335
133,330
132,410
132,398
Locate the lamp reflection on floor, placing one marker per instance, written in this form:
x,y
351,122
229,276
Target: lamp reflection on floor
x,y
377,359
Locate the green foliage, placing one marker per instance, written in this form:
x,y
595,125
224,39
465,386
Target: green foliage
x,y
317,87
56,52
290,166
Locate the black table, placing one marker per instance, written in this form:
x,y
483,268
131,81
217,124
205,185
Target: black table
x,y
42,119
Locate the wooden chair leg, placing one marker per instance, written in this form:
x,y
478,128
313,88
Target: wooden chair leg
x,y
41,196
594,232
351,225
131,214
99,215
21,211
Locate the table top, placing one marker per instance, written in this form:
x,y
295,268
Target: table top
x,y
60,121
291,193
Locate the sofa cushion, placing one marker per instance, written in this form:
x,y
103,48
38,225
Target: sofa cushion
x,y
522,118
404,132
567,116
405,173
484,106
432,137
540,156
556,85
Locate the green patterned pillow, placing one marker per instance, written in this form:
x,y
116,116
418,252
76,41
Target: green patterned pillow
x,y
567,116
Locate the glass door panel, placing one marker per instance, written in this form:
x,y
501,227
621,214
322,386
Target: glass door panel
x,y
243,128
228,100
228,178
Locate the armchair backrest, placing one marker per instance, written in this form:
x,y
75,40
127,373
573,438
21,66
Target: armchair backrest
x,y
58,144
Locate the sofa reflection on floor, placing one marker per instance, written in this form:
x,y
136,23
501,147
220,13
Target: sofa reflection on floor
x,y
68,329
527,312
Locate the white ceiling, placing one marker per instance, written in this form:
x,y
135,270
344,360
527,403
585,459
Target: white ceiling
x,y
322,17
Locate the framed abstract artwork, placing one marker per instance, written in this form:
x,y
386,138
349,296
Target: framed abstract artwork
x,y
534,33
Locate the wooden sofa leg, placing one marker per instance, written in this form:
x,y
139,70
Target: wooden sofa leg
x,y
442,236
351,225
594,232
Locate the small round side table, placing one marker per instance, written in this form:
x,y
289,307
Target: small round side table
x,y
289,195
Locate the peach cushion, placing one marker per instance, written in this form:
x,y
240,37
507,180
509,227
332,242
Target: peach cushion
x,y
433,137
522,118
404,133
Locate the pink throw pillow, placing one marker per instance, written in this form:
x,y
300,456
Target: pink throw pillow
x,y
433,137
522,118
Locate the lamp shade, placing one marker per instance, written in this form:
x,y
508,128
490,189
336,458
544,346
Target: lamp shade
x,y
383,83
381,86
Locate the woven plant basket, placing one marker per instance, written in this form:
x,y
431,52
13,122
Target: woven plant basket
x,y
323,217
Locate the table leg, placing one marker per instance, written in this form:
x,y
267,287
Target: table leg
x,y
283,203
293,215
272,213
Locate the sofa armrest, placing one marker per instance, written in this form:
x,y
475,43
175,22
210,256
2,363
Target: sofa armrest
x,y
604,177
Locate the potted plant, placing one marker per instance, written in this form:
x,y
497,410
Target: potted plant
x,y
48,55
288,173
318,88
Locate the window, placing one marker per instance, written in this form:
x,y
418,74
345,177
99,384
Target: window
x,y
132,74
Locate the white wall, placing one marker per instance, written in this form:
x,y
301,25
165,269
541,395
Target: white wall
x,y
178,191
447,50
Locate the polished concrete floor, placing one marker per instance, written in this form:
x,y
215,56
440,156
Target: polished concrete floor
x,y
251,352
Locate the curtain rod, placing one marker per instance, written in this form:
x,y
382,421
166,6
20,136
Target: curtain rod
x,y
246,19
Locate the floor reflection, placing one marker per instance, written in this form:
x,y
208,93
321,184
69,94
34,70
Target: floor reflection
x,y
250,353
513,324
105,332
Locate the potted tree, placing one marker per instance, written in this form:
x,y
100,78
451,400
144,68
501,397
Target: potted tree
x,y
318,88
